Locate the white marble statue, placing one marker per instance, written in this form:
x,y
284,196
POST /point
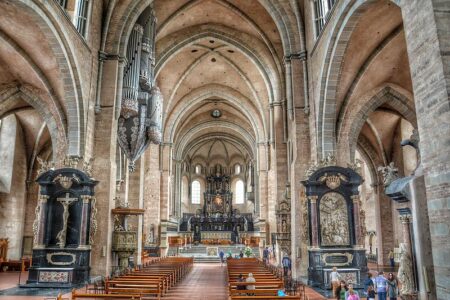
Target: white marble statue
x,y
405,271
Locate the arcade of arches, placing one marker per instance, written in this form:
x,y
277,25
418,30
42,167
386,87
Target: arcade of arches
x,y
207,116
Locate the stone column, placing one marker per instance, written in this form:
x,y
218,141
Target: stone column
x,y
314,222
385,235
409,269
406,228
427,31
84,221
42,220
357,221
104,166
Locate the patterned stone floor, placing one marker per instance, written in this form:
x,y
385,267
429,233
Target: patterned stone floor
x,y
205,281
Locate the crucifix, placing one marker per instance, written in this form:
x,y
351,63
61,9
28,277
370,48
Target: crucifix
x,y
65,202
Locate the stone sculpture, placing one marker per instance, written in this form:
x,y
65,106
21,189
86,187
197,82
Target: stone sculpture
x,y
405,271
389,173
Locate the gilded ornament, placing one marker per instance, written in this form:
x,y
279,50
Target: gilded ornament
x,y
66,182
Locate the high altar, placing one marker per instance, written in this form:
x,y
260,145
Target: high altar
x,y
217,214
336,226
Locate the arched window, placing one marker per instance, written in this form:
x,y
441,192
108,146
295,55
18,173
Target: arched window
x,y
237,169
195,192
239,192
322,9
198,169
82,16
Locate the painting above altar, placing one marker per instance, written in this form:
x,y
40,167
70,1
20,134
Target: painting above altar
x,y
334,220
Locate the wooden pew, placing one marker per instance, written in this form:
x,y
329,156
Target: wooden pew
x,y
267,283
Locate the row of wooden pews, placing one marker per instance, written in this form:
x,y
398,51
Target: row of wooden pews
x,y
151,281
267,283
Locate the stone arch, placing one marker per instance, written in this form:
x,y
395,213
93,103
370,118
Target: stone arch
x,y
55,123
197,96
191,67
223,125
232,8
47,22
355,116
289,24
221,136
123,18
331,70
251,47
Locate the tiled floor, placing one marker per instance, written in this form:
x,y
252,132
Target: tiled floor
x,y
206,281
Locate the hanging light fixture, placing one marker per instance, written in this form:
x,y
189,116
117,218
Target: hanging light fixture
x,y
140,118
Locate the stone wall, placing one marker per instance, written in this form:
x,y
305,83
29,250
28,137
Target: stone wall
x,y
427,28
12,204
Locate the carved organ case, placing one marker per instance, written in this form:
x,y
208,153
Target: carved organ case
x,y
63,229
218,197
335,230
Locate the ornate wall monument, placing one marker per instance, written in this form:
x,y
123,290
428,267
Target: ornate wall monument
x,y
335,228
63,229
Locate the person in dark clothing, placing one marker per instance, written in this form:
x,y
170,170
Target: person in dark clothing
x,y
241,254
241,279
266,255
368,282
221,254
286,262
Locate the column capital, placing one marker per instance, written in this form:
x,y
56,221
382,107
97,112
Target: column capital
x,y
43,198
86,198
405,219
355,198
313,198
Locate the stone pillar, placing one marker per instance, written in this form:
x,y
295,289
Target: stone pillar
x,y
409,269
427,31
385,235
84,221
422,240
104,165
406,229
42,220
356,217
140,222
314,222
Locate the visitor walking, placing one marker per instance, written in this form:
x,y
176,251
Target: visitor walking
x,y
370,293
368,283
250,279
392,287
266,255
341,290
335,279
286,262
241,254
352,294
351,291
381,285
221,254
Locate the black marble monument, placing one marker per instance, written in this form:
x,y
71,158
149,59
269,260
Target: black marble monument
x,y
336,230
63,229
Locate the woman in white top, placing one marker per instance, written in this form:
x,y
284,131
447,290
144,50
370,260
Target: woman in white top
x,y
335,278
250,279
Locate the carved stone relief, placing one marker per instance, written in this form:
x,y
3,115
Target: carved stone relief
x,y
333,220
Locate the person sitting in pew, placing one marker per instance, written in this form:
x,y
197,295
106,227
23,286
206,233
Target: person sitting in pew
x,y
250,279
240,279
